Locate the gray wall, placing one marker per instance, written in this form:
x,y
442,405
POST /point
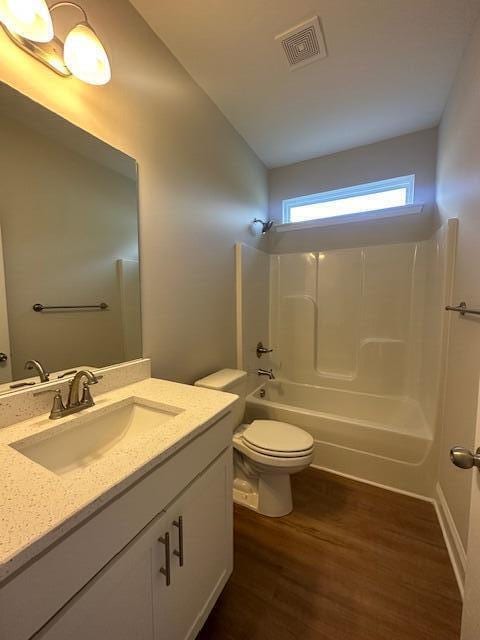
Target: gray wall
x,y
200,184
413,153
459,196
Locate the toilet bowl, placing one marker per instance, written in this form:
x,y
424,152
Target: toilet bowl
x,y
266,452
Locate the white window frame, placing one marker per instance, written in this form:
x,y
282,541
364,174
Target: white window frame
x,y
406,182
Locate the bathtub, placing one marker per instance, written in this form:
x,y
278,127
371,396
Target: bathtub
x,y
368,436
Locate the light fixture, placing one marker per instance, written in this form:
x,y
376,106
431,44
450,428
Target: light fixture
x,y
28,18
85,56
82,54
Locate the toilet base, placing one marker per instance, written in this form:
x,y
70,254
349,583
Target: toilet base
x,y
269,495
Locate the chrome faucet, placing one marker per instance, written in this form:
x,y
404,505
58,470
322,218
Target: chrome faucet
x,y
266,372
36,365
74,402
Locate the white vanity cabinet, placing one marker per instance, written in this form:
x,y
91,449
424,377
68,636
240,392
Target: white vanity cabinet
x,y
145,592
107,579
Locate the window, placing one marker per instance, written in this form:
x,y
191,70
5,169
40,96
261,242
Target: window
x,y
352,201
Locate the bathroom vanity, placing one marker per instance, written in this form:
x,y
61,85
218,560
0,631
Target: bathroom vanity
x,y
117,522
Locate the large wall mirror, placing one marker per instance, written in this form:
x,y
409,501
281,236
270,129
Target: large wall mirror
x,y
69,241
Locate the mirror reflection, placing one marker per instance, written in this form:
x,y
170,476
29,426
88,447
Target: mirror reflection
x,y
69,259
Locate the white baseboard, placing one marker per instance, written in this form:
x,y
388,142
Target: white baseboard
x,y
453,541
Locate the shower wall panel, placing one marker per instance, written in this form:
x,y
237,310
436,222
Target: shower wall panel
x,y
252,266
351,318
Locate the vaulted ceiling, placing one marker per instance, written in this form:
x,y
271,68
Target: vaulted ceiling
x,y
390,67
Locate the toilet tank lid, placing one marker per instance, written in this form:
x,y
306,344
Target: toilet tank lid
x,y
221,380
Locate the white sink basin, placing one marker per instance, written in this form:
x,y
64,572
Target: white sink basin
x,y
86,439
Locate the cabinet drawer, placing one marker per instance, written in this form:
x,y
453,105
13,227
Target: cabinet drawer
x,y
32,597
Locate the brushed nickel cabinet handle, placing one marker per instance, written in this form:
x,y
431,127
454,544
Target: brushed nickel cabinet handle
x,y
179,524
166,569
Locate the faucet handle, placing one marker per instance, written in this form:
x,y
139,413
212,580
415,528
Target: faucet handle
x,y
261,350
58,407
87,399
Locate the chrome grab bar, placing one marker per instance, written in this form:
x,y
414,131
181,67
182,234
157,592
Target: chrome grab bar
x,y
41,307
462,309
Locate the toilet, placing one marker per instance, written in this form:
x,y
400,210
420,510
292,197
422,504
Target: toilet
x,y
266,452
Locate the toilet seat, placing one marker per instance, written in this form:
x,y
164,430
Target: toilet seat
x,y
278,454
271,460
277,439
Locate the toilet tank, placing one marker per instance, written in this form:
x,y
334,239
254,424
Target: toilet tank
x,y
231,381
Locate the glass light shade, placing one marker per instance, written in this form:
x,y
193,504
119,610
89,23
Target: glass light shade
x,y
30,19
85,56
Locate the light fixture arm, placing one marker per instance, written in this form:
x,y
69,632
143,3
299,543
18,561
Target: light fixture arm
x,y
57,5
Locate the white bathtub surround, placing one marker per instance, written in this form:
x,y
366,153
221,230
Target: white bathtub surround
x,y
252,309
22,404
350,319
358,338
40,506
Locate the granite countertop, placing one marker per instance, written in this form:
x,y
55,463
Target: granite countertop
x,y
37,506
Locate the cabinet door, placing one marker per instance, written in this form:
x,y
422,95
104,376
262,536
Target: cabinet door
x,y
206,512
130,599
118,603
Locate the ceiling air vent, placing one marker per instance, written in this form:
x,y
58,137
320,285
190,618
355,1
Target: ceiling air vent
x,y
304,43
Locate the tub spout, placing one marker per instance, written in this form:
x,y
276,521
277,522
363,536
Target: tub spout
x,y
266,372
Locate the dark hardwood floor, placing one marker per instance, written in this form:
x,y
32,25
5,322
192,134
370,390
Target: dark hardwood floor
x,y
352,562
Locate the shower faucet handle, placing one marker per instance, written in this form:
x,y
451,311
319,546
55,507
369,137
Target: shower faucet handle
x,y
261,350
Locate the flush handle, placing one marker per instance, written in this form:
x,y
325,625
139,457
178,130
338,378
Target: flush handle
x,y
179,553
464,458
165,570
